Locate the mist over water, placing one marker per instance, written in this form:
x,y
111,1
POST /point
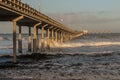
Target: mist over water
x,y
6,43
90,43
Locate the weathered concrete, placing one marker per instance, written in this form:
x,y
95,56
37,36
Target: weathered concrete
x,y
23,15
29,41
35,43
48,38
14,37
20,40
43,38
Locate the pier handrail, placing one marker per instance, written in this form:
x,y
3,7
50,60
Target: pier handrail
x,y
25,9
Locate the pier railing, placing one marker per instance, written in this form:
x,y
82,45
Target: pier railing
x,y
21,14
23,8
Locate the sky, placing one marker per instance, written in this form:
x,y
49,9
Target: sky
x,y
91,15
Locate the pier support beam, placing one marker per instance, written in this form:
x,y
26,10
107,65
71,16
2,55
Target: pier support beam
x,y
69,36
52,36
20,40
43,38
35,38
56,34
29,41
59,37
14,37
65,37
61,34
48,38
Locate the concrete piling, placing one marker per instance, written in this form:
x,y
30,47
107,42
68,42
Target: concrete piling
x,y
24,15
35,38
20,40
29,41
48,38
14,37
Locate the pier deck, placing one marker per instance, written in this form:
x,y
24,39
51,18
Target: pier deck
x,y
21,14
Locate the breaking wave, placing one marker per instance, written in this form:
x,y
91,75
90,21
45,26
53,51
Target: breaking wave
x,y
9,38
4,38
91,44
1,38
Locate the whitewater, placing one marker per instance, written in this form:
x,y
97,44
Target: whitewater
x,y
89,43
89,57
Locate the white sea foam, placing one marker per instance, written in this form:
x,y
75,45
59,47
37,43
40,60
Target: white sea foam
x,y
10,46
6,47
72,45
1,38
92,44
5,38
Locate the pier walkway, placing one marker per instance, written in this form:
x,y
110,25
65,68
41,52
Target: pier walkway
x,y
21,14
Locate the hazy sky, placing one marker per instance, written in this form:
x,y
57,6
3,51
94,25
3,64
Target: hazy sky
x,y
68,6
94,15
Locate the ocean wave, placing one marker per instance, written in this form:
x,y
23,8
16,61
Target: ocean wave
x,y
92,44
6,47
1,38
4,38
10,38
10,46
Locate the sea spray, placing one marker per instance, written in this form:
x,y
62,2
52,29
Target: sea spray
x,y
92,44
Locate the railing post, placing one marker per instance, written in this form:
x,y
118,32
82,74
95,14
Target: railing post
x,y
35,38
14,37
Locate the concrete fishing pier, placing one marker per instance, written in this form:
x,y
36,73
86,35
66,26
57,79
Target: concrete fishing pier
x,y
21,14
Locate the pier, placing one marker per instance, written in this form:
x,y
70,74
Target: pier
x,y
21,14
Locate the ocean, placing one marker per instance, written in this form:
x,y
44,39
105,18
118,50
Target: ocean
x,y
90,43
94,43
89,57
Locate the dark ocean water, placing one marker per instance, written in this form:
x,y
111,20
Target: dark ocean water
x,y
94,43
90,57
90,43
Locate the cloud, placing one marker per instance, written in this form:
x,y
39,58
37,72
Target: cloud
x,y
92,21
88,20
